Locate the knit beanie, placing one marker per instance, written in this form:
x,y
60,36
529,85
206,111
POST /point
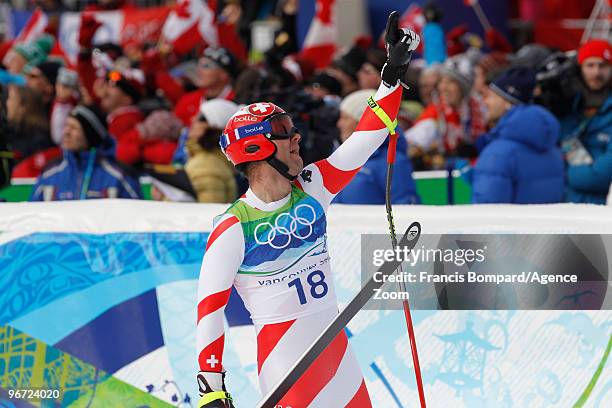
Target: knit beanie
x,y
68,77
355,103
48,69
218,112
515,85
93,122
225,59
595,48
36,51
461,69
130,81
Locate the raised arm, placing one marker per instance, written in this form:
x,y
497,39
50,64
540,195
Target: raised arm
x,y
223,256
85,69
325,178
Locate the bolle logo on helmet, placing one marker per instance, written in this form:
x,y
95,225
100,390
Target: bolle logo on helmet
x,y
261,109
286,226
245,118
253,129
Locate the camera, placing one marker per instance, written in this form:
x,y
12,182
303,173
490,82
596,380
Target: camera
x,y
558,80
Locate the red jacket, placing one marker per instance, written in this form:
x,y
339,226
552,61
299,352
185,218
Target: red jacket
x,y
131,149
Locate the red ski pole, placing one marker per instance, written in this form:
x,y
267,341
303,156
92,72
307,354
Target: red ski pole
x,y
413,346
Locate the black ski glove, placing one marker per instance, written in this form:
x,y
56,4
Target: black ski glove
x,y
400,43
212,390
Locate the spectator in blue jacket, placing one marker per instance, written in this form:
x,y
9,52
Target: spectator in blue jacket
x,y
368,186
88,169
434,40
521,162
587,131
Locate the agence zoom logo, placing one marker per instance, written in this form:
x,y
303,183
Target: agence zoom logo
x,y
286,226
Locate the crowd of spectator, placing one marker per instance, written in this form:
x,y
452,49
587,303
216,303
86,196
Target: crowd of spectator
x,y
532,126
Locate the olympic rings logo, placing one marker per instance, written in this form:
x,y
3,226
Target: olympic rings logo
x,y
286,225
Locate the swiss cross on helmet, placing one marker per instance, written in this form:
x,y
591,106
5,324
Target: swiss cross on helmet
x,y
248,136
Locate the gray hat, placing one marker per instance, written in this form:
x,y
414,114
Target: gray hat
x,y
68,77
460,68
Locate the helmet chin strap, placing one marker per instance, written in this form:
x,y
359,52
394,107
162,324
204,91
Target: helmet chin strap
x,y
281,167
278,165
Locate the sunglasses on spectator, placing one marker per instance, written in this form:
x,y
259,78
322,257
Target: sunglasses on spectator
x,y
114,76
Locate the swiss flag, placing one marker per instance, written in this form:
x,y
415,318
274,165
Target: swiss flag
x,y
190,23
320,43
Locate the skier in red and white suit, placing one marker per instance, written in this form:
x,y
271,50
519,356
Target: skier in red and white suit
x,y
271,245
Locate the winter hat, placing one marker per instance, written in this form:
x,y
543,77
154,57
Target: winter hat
x,y
130,81
328,82
49,69
515,85
68,77
351,62
595,48
461,69
218,112
223,58
355,103
93,122
36,51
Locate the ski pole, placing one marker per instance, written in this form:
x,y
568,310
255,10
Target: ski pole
x,y
406,305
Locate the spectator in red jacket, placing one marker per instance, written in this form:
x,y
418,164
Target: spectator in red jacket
x,y
216,70
139,140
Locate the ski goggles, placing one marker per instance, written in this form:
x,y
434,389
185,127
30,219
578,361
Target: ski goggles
x,y
261,128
